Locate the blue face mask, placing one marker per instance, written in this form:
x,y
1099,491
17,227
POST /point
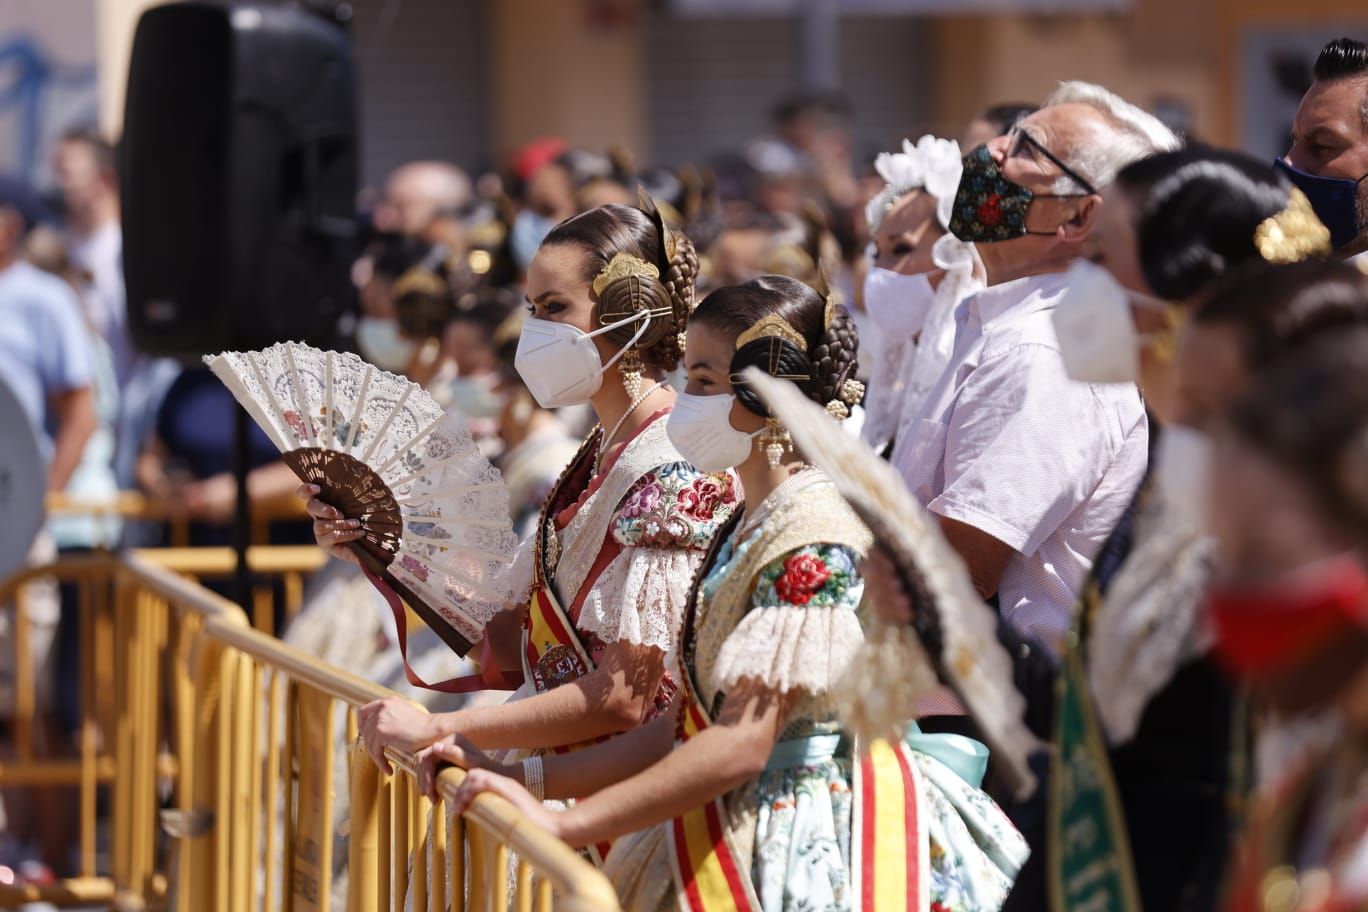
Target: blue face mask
x,y
1335,200
529,229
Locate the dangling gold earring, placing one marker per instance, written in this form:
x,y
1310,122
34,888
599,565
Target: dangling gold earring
x,y
630,368
776,441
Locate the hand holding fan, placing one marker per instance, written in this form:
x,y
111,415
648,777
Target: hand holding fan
x,y
433,511
956,632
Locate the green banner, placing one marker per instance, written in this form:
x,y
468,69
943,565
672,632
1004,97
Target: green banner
x,y
1089,854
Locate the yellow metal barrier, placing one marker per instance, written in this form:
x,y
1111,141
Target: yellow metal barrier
x,y
137,506
219,746
289,564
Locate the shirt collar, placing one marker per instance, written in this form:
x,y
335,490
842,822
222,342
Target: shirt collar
x,y
997,300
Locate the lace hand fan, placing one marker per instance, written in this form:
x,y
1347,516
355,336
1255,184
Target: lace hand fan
x,y
433,510
956,631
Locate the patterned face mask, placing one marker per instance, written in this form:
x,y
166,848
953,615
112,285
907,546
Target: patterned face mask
x,y
989,207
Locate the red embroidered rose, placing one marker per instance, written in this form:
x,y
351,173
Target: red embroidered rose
x,y
939,907
701,499
990,211
803,575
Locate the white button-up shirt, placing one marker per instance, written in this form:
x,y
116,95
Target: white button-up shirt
x,y
1008,444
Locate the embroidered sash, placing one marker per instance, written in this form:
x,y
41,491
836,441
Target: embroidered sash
x,y
1089,850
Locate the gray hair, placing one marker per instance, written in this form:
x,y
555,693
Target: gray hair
x,y
1129,135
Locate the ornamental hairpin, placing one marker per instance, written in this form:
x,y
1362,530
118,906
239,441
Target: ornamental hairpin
x,y
772,326
624,266
1294,234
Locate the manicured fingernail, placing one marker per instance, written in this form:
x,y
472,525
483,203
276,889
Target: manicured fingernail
x,y
354,523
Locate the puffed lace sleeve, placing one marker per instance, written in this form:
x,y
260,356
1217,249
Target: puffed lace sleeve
x,y
665,525
802,630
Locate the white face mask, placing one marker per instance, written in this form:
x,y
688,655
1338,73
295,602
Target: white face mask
x,y
560,364
1182,474
382,345
475,397
897,303
700,429
1097,337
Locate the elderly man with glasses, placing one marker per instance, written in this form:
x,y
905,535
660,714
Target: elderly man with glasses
x,y
1027,469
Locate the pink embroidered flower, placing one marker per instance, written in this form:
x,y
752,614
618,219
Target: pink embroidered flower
x,y
645,498
803,575
701,499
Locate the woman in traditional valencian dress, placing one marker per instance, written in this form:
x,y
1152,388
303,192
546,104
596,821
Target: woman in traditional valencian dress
x,y
627,524
746,795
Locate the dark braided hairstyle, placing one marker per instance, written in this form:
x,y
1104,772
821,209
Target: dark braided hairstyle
x,y
607,231
821,368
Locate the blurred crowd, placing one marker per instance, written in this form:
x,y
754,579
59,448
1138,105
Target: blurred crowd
x,y
1127,375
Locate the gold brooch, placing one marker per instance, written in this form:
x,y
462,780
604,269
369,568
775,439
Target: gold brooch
x,y
624,266
1293,234
771,327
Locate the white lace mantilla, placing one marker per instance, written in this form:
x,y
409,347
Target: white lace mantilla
x,y
640,597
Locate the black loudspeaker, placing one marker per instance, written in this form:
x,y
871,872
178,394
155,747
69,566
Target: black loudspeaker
x,y
239,167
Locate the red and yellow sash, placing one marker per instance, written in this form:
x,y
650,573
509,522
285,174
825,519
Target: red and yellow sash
x,y
889,846
553,652
707,872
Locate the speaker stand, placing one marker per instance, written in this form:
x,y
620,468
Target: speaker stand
x,y
242,511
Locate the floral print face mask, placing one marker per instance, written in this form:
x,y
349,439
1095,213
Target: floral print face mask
x,y
989,207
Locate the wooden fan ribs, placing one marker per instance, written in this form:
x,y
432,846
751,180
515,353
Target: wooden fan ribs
x,y
357,491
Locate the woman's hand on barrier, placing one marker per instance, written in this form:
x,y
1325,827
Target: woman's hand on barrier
x,y
395,722
482,780
453,750
884,589
331,529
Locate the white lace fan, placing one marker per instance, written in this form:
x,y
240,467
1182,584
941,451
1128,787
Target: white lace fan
x,y
434,511
956,631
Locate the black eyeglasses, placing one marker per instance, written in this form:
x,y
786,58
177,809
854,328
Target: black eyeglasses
x,y
1018,137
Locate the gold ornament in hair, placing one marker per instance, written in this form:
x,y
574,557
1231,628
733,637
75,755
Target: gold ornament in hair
x,y
772,326
667,240
624,266
1294,234
776,329
823,288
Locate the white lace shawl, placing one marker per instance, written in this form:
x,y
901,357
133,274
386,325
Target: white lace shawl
x,y
1149,623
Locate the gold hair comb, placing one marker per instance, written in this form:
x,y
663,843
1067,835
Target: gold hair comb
x,y
624,266
771,327
1294,234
